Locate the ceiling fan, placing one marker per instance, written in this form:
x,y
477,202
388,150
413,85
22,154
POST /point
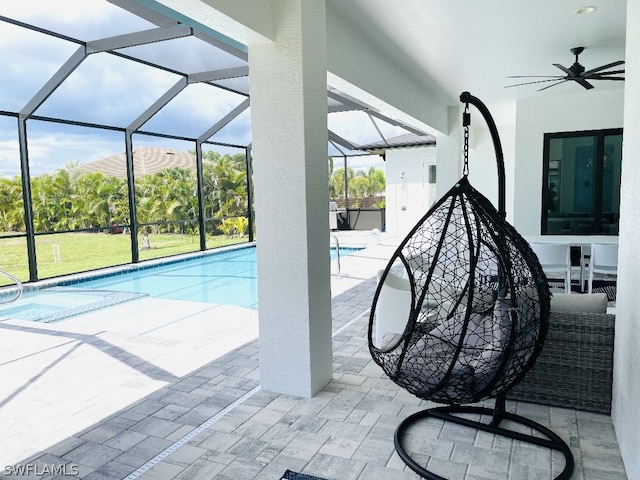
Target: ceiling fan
x,y
576,73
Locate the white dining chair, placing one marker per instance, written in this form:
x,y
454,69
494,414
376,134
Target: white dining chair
x,y
555,257
604,259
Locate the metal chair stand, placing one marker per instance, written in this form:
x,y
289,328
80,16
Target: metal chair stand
x,y
448,414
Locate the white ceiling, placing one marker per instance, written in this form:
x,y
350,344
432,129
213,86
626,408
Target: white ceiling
x,y
453,46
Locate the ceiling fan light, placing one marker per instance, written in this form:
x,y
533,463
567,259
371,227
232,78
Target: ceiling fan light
x,y
586,9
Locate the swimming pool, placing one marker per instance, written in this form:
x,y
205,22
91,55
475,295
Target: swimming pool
x,y
221,277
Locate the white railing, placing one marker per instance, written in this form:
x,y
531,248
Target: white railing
x,y
334,237
18,285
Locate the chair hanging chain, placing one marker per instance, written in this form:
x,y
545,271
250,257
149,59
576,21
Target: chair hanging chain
x,y
466,121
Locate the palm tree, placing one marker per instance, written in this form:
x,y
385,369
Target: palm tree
x,y
226,183
93,200
117,194
374,180
337,181
50,198
332,193
11,216
359,186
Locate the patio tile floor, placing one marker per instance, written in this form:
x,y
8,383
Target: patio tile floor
x,y
199,418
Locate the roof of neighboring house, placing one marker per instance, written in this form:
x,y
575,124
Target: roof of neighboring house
x,y
146,160
402,141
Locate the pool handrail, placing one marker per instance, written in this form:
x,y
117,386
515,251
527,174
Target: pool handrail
x,y
337,253
18,284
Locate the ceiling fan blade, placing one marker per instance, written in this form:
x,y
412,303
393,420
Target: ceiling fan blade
x,y
582,82
534,76
606,78
553,85
555,79
600,75
564,69
603,67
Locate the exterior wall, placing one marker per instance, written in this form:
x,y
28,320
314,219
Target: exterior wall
x,y
483,169
522,146
409,194
592,110
626,381
483,172
449,152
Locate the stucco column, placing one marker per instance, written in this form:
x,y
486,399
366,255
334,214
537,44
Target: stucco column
x,y
626,381
289,132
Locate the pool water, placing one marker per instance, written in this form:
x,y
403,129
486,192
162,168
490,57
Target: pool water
x,y
223,278
227,278
58,303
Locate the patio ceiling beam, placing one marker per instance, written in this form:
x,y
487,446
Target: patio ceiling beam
x,y
375,125
352,104
346,101
138,38
199,31
222,74
158,104
142,11
337,139
338,108
337,147
222,45
54,81
220,124
44,31
396,123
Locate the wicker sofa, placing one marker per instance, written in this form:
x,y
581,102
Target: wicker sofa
x,y
575,368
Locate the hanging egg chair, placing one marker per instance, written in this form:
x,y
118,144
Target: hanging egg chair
x,y
461,311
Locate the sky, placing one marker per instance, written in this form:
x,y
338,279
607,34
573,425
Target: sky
x,y
108,90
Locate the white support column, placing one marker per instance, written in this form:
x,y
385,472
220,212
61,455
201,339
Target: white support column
x,y
626,381
289,131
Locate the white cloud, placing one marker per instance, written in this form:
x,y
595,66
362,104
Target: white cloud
x,y
9,158
50,151
83,19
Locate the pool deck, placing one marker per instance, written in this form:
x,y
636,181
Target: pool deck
x,y
154,389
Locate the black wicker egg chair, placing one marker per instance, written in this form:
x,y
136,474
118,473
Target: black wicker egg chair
x,y
477,312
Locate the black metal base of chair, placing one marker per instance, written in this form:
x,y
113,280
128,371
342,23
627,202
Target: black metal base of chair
x,y
552,441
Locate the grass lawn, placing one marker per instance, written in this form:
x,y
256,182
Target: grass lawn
x,y
66,253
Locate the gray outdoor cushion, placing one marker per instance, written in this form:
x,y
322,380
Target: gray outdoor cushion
x,y
430,358
576,302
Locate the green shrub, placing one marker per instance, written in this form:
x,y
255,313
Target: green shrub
x,y
235,226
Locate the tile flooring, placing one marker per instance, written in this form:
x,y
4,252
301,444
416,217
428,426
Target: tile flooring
x,y
81,400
